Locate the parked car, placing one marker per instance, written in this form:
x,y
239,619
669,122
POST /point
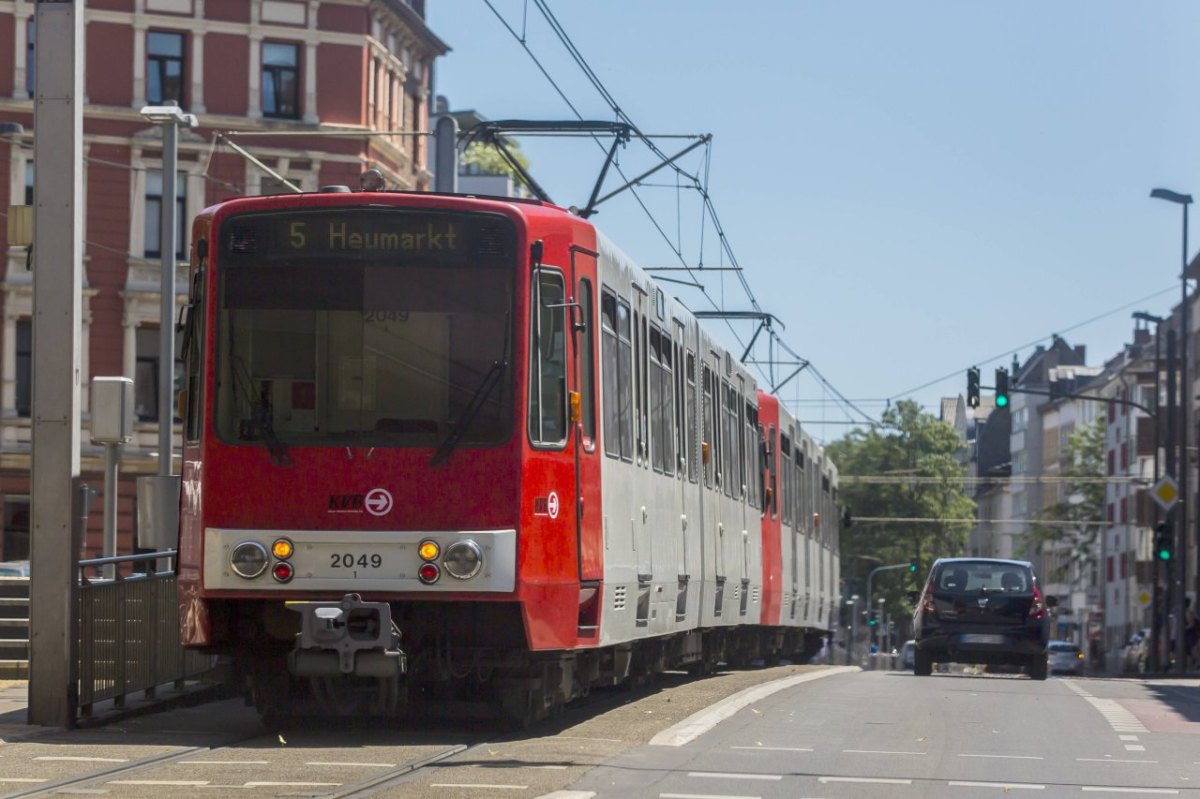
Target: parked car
x,y
982,610
906,654
1135,654
1065,657
14,568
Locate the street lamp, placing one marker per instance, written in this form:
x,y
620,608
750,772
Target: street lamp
x,y
1182,200
1157,603
162,498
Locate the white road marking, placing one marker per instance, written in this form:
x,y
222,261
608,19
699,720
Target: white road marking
x,y
222,763
721,775
875,780
84,759
478,785
703,796
1127,737
1008,757
1104,789
1008,786
1110,760
1135,748
551,768
701,722
176,783
350,765
878,752
776,748
570,795
292,784
20,779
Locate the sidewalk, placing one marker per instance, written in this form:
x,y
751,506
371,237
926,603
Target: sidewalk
x,y
14,707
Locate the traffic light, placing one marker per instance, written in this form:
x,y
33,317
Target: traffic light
x,y
1001,387
873,619
912,566
1163,545
973,387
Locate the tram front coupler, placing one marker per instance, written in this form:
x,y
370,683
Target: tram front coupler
x,y
350,638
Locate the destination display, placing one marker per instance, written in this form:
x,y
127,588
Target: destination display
x,y
368,235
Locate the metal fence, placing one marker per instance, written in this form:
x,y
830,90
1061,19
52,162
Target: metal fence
x,y
129,631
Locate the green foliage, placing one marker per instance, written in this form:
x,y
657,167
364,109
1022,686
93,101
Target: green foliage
x,y
908,443
484,159
1082,503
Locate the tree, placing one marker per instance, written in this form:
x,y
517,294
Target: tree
x,y
1082,507
484,159
908,443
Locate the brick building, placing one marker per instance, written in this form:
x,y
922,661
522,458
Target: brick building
x,y
315,90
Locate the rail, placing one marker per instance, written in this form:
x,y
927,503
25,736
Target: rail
x,y
129,632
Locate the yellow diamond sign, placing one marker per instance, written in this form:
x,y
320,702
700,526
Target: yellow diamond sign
x,y
1165,492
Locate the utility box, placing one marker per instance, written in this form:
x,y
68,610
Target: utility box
x,y
112,410
20,226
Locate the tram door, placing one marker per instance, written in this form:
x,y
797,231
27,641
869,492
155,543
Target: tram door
x,y
589,515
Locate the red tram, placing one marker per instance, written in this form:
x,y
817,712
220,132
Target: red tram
x,y
458,448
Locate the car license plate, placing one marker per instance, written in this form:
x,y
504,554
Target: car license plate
x,y
981,639
353,561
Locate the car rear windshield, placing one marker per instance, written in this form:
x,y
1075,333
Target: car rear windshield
x,y
1059,646
973,576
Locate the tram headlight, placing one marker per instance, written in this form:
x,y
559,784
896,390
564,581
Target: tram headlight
x,y
248,559
463,559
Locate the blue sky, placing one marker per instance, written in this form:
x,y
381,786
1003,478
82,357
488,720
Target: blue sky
x,y
911,188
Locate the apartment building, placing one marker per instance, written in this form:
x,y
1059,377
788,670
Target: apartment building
x,y
316,91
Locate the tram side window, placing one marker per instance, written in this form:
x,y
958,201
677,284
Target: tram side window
x,y
707,414
656,392
665,437
728,431
785,457
753,458
617,372
690,437
802,506
548,361
587,363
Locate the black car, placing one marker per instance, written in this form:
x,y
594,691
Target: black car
x,y
982,610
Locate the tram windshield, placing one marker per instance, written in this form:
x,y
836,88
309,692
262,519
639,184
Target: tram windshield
x,y
363,327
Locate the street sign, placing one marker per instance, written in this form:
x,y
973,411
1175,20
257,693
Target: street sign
x,y
1144,598
1165,492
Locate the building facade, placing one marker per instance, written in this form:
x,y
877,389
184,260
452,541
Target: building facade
x,y
306,92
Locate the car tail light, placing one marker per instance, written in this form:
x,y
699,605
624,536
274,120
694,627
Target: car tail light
x,y
1037,610
927,605
282,571
429,573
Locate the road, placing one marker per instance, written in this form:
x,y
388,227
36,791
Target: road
x,y
790,731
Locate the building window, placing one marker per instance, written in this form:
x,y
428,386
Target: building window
x,y
29,182
30,55
24,367
280,80
154,209
145,375
164,67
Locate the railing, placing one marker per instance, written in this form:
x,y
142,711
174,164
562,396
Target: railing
x,y
129,632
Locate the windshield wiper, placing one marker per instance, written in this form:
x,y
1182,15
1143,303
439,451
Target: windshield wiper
x,y
262,421
469,413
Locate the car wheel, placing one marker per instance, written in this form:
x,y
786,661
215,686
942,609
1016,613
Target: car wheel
x,y
922,664
1038,668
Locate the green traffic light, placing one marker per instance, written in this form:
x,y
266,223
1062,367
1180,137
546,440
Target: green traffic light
x,y
1164,554
1001,400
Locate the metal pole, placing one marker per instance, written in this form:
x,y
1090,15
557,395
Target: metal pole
x,y
1158,601
110,505
166,331
1171,451
1185,403
853,629
57,363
